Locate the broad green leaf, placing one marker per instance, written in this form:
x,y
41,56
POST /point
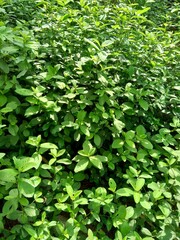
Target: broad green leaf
x,y
90,234
13,129
24,92
119,125
31,111
26,187
145,204
3,100
97,140
129,212
8,175
81,115
48,145
137,197
30,230
81,165
34,141
112,185
129,135
144,104
121,212
146,144
85,130
2,155
69,190
140,130
117,143
130,144
139,184
124,192
107,43
4,66
146,232
23,164
9,207
97,161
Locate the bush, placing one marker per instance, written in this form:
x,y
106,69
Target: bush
x,y
89,121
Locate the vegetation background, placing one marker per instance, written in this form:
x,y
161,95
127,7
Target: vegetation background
x,y
89,119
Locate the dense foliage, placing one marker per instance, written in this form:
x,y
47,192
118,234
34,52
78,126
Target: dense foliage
x,y
89,120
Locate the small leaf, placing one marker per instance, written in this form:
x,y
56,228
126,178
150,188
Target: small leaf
x,y
4,66
96,161
107,43
69,190
13,129
144,104
85,130
31,111
124,192
112,185
24,92
130,144
81,165
139,184
25,187
117,143
140,130
30,230
8,175
119,125
137,197
3,100
97,140
48,145
147,144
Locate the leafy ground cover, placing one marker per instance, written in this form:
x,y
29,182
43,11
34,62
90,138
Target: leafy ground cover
x,y
89,120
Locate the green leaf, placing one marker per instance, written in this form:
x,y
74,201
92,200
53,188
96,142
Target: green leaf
x,y
119,125
146,144
97,140
26,187
139,184
91,43
8,175
13,129
117,143
81,115
140,130
139,12
2,155
144,104
124,192
3,100
112,185
31,111
69,190
24,92
4,66
130,144
85,130
30,230
81,165
48,145
137,197
97,161
107,43
23,164
145,204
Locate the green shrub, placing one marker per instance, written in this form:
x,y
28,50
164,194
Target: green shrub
x,y
90,126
